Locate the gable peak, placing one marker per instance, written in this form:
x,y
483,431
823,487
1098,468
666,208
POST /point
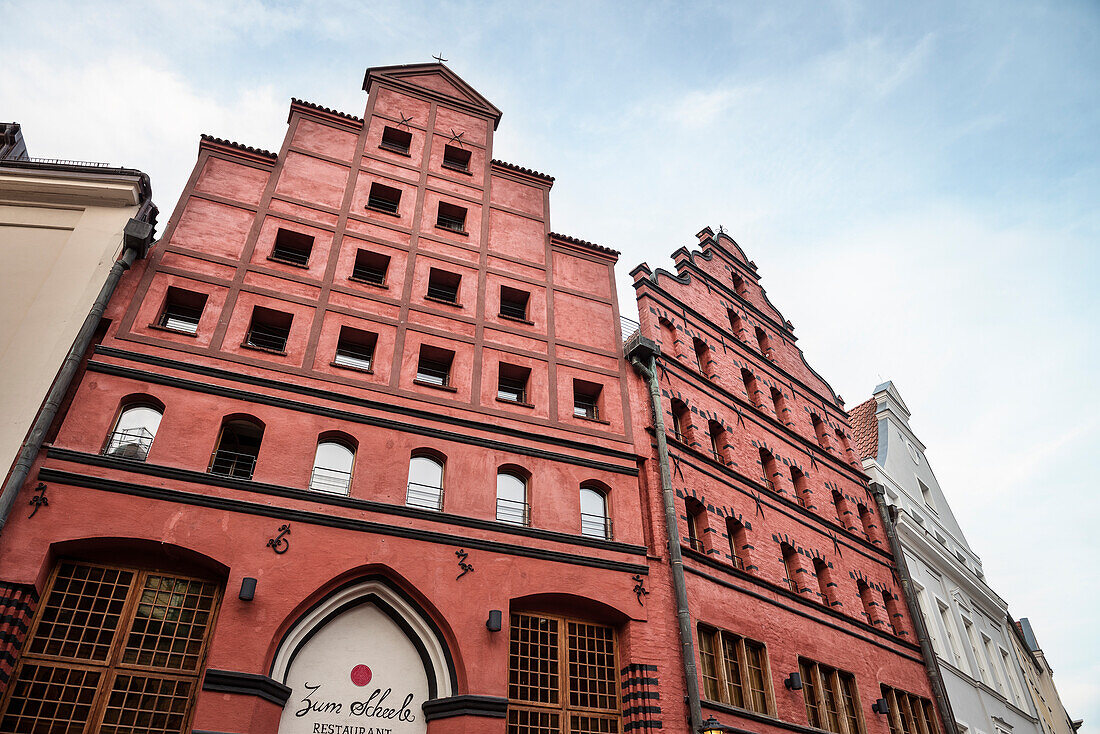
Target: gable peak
x,y
433,80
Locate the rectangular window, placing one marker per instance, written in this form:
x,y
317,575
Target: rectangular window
x,y
586,399
182,310
443,286
355,349
111,650
384,198
926,495
513,303
292,248
831,698
451,217
909,714
434,366
734,670
512,383
396,141
268,330
562,676
456,158
370,267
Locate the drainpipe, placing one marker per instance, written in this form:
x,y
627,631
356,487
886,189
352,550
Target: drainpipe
x,y
931,662
136,237
642,354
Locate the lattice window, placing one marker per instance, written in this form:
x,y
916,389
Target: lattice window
x,y
734,670
562,677
832,701
112,650
909,714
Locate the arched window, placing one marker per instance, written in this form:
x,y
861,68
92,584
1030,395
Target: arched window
x,y
425,482
841,506
702,356
769,468
680,422
238,447
780,405
134,431
763,342
512,498
736,532
669,346
843,442
893,614
790,565
801,486
332,467
594,520
868,600
820,432
717,440
752,392
696,523
824,581
867,519
737,326
739,285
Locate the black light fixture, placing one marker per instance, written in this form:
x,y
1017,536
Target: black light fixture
x,y
711,726
793,682
494,621
880,706
248,589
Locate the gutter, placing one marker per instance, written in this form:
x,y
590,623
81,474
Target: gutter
x,y
931,662
643,354
137,237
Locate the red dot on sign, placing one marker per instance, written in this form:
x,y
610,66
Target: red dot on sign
x,y
361,675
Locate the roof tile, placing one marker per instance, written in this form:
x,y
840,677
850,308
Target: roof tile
x,y
865,428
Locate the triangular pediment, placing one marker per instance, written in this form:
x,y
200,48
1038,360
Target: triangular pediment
x,y
434,80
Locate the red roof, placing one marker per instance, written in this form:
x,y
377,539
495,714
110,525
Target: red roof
x,y
865,428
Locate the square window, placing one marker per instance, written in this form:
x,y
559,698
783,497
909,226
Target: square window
x,y
451,217
456,158
355,349
513,303
269,329
292,247
396,141
384,198
370,267
443,286
434,366
512,383
586,399
182,310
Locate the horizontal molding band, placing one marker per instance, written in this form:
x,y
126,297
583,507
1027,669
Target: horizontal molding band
x,y
493,707
48,474
246,684
362,403
277,490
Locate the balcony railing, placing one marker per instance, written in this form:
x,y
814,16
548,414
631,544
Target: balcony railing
x,y
696,544
232,464
454,224
425,496
769,484
446,293
515,512
332,481
595,526
792,585
739,562
268,337
131,443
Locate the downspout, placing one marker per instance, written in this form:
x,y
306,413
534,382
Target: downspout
x,y
137,236
647,370
931,662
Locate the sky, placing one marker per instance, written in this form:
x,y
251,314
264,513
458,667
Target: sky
x,y
919,184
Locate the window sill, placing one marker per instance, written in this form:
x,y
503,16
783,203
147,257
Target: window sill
x,y
516,403
585,418
353,369
387,212
459,232
456,169
452,304
445,388
158,327
404,154
371,283
518,320
281,261
246,345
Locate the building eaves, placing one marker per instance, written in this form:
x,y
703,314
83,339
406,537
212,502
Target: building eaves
x,y
865,428
584,243
327,110
521,169
239,146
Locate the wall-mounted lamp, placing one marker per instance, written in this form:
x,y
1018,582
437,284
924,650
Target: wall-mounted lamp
x,y
493,622
793,681
880,706
711,726
248,589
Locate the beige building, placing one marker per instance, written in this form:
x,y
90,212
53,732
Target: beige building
x,y
63,226
1040,682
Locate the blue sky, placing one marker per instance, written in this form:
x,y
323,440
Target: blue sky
x,y
918,182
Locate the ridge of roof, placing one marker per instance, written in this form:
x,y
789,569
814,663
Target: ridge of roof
x,y
865,428
584,243
322,108
521,169
239,146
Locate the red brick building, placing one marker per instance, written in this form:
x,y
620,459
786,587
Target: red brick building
x,y
795,611
357,450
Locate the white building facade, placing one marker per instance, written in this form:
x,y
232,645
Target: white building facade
x,y
967,621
